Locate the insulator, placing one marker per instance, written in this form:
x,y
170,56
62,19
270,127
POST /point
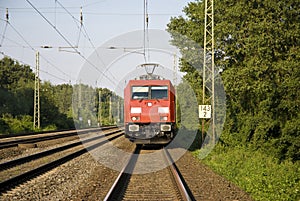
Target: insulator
x,y
7,15
147,19
81,16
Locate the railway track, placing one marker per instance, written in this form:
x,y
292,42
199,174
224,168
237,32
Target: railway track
x,y
18,171
7,141
165,184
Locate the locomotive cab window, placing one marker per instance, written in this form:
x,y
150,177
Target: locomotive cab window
x,y
140,92
149,92
159,92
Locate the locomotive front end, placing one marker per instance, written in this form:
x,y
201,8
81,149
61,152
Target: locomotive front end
x,y
149,111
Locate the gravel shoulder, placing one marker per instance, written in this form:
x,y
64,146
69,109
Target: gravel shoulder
x,y
206,184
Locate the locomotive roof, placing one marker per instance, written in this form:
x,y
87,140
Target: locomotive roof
x,y
149,82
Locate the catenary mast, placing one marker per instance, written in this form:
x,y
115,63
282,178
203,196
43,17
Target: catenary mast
x,y
36,114
209,66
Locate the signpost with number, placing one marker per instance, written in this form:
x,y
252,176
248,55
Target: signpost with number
x,y
204,111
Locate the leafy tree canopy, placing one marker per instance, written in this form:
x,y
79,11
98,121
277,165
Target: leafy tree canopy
x,y
257,47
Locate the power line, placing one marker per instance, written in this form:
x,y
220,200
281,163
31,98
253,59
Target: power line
x,y
32,48
69,43
4,31
21,36
53,11
26,64
75,20
65,39
95,50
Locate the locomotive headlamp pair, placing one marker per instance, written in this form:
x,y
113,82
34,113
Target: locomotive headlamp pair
x,y
164,118
134,128
165,127
135,118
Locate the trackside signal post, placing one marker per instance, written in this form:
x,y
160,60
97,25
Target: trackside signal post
x,y
206,110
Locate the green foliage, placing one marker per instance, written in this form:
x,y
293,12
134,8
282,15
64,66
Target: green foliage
x,y
13,75
290,141
16,103
57,108
257,47
264,177
186,100
50,127
19,124
4,127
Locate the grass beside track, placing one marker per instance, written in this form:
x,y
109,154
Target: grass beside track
x,y
264,177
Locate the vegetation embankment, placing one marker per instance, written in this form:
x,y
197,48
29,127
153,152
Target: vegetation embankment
x,y
61,106
258,57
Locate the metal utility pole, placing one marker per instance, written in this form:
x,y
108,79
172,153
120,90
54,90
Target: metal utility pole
x,y
175,70
99,109
208,70
36,114
110,109
118,112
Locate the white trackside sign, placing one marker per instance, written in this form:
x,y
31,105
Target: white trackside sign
x,y
204,111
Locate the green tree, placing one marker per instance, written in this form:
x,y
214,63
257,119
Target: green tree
x,y
257,47
16,102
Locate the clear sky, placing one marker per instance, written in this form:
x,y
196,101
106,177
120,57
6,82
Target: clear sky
x,y
103,20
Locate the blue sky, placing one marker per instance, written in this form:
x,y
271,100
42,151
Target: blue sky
x,y
103,20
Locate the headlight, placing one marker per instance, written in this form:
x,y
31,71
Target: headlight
x,y
135,110
163,109
165,127
135,118
163,118
134,128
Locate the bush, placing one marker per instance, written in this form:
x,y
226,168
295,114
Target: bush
x,y
264,177
19,124
4,127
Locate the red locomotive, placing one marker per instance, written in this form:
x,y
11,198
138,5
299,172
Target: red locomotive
x,y
149,113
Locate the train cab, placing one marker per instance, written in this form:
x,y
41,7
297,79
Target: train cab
x,y
149,111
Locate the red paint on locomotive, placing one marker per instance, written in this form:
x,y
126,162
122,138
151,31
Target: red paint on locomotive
x,y
149,111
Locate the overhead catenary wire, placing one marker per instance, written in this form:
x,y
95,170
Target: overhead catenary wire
x,y
85,34
81,24
75,20
12,41
4,31
31,47
147,21
146,32
26,64
55,10
68,42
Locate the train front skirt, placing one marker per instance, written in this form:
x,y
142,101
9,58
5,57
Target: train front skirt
x,y
151,133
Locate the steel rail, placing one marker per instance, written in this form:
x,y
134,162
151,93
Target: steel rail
x,y
123,177
120,185
46,136
21,178
12,135
19,161
182,186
